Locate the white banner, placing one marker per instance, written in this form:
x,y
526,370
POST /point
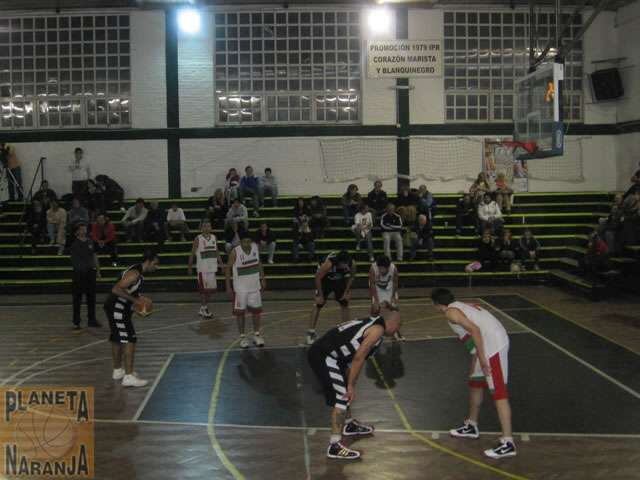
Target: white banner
x,y
404,58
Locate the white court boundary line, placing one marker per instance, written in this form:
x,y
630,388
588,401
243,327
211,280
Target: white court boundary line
x,y
153,387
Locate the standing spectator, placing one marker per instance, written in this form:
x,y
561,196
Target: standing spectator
x,y
487,251
45,195
56,225
250,185
635,184
113,193
266,241
424,237
133,221
362,227
176,220
391,224
631,218
233,233
611,226
155,223
85,270
80,174
479,188
303,237
490,215
103,235
269,186
300,211
406,204
77,214
426,203
350,201
507,248
596,258
9,161
96,199
318,216
529,249
503,193
217,208
232,185
36,221
238,213
465,213
377,199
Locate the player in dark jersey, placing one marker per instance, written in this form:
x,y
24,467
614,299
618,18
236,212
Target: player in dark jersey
x,y
335,275
337,359
119,309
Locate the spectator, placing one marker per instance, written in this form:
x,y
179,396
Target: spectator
x,y
77,214
635,184
86,269
56,225
96,198
487,251
490,215
318,217
36,221
303,237
361,228
113,193
176,220
233,233
266,241
155,223
479,188
529,249
269,186
300,211
217,208
391,224
631,218
232,185
134,221
238,213
426,203
407,205
103,235
507,248
465,213
423,237
503,193
596,258
377,199
350,202
250,185
9,162
45,195
80,174
611,227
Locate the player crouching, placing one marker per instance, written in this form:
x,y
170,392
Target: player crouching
x,y
205,250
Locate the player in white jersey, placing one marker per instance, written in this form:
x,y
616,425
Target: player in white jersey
x,y
383,287
488,342
244,281
205,251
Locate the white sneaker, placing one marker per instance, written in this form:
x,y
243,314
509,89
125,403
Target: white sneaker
x,y
258,341
270,261
133,381
204,312
244,343
311,337
118,373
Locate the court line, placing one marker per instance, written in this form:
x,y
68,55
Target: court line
x,y
431,443
153,387
303,422
596,370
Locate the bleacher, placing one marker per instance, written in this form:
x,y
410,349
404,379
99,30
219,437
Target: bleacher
x,y
561,222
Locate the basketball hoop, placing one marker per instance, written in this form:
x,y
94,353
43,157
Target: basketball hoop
x,y
529,147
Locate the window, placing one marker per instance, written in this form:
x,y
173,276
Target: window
x,y
287,66
65,71
485,52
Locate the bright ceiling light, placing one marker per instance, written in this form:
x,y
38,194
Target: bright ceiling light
x,y
189,20
379,20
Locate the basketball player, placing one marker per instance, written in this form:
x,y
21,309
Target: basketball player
x,y
335,275
383,287
488,342
245,269
337,359
119,308
205,250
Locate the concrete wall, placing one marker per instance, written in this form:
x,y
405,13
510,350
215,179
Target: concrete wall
x,y
627,24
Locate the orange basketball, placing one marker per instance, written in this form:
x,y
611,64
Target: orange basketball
x,y
144,306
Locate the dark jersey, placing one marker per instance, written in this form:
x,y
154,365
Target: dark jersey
x,y
338,272
133,290
343,341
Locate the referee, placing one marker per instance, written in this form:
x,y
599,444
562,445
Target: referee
x,y
86,269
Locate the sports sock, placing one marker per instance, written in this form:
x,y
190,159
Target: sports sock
x,y
507,439
311,330
335,438
471,422
257,333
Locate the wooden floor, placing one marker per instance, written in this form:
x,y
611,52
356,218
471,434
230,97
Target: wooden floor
x,y
133,442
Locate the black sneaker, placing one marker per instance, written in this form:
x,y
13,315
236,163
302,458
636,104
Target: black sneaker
x,y
77,328
465,431
502,450
354,427
339,451
95,324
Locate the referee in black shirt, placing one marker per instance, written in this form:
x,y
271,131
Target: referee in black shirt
x,y
86,269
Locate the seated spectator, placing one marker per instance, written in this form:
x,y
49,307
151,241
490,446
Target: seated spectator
x,y
266,241
406,205
479,188
424,238
529,249
250,186
233,233
238,213
487,251
610,228
45,195
631,219
155,223
113,193
377,199
319,221
56,225
596,259
36,222
217,208
465,213
232,185
303,237
635,184
133,221
489,215
77,214
350,202
503,193
391,224
362,228
300,210
426,203
269,187
103,234
177,220
96,197
507,248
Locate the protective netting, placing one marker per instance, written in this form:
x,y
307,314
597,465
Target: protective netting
x,y
567,168
348,159
446,158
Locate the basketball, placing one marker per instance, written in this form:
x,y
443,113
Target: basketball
x,y
144,306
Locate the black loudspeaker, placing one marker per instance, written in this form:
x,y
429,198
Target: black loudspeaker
x,y
606,84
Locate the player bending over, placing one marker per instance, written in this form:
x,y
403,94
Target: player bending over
x,y
488,342
383,286
205,250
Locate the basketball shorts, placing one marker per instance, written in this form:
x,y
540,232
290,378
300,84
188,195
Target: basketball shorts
x,y
251,301
120,323
332,376
384,295
337,287
207,281
497,381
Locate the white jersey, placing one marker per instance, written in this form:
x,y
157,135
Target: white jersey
x,y
246,269
384,282
494,335
207,253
